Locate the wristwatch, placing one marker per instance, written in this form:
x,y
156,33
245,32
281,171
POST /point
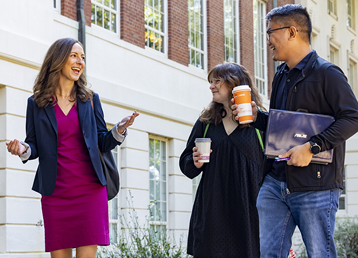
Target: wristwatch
x,y
315,148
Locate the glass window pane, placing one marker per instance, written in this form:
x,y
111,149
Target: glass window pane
x,y
157,212
106,3
93,13
156,20
157,190
114,204
164,191
156,4
157,149
151,169
114,4
164,211
163,171
99,16
151,190
113,22
150,2
113,233
107,24
99,1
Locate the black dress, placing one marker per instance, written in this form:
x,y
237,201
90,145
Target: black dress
x,y
224,221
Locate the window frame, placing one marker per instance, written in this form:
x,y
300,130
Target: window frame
x,y
236,31
352,24
57,5
332,12
117,159
164,34
204,52
344,192
352,59
116,12
156,223
335,50
263,59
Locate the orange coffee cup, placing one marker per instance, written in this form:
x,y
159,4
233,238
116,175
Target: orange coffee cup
x,y
242,97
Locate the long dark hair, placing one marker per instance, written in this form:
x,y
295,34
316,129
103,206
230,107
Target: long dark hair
x,y
230,75
49,75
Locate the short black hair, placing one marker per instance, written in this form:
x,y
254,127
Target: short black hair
x,y
292,15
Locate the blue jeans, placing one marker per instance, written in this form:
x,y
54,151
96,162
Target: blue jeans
x,y
314,213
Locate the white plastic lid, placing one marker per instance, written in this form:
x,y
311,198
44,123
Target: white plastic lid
x,y
241,87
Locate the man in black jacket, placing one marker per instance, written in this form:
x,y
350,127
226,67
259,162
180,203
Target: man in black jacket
x,y
298,193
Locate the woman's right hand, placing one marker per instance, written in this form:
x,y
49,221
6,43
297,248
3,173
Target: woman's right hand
x,y
196,157
15,147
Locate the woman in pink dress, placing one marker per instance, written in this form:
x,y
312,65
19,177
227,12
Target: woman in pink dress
x,y
64,128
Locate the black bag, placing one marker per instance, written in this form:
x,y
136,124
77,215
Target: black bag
x,y
110,171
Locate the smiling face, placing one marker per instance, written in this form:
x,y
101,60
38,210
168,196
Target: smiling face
x,y
221,92
75,64
278,41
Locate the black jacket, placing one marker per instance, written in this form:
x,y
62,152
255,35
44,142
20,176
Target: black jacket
x,y
41,135
321,88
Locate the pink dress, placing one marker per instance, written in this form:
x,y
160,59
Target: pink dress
x,y
76,214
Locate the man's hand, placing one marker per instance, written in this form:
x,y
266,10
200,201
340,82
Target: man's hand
x,y
235,111
300,156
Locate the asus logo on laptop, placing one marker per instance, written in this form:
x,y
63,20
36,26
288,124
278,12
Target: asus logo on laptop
x,y
300,135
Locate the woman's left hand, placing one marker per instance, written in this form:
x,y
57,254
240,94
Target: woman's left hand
x,y
126,122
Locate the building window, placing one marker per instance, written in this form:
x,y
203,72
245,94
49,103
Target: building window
x,y
113,205
351,14
158,183
104,14
332,7
54,3
154,24
342,198
196,33
260,46
333,55
230,26
196,182
352,76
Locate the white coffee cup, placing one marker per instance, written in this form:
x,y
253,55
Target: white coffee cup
x,y
203,145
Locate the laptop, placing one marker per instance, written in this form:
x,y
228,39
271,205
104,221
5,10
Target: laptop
x,y
286,129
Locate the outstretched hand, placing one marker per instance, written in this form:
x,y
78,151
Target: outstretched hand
x,y
236,111
126,122
15,147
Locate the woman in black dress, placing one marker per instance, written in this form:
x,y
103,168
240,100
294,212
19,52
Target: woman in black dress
x,y
224,221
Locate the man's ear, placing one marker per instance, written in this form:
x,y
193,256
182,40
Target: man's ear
x,y
293,32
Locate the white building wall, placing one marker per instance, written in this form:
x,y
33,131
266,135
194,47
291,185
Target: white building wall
x,y
168,96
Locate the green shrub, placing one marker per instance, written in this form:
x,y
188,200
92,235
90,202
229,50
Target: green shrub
x,y
346,237
137,241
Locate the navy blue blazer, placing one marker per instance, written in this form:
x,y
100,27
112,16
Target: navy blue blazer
x,y
41,135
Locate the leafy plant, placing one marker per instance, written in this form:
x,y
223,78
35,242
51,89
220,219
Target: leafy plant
x,y
346,238
136,241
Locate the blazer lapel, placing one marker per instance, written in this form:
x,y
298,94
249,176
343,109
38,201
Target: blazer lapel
x,y
83,111
50,111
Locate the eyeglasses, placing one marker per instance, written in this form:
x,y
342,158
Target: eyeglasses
x,y
268,32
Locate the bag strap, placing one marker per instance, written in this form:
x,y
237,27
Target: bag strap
x,y
260,139
257,132
206,129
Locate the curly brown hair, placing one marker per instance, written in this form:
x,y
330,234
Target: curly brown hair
x,y
231,75
49,75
